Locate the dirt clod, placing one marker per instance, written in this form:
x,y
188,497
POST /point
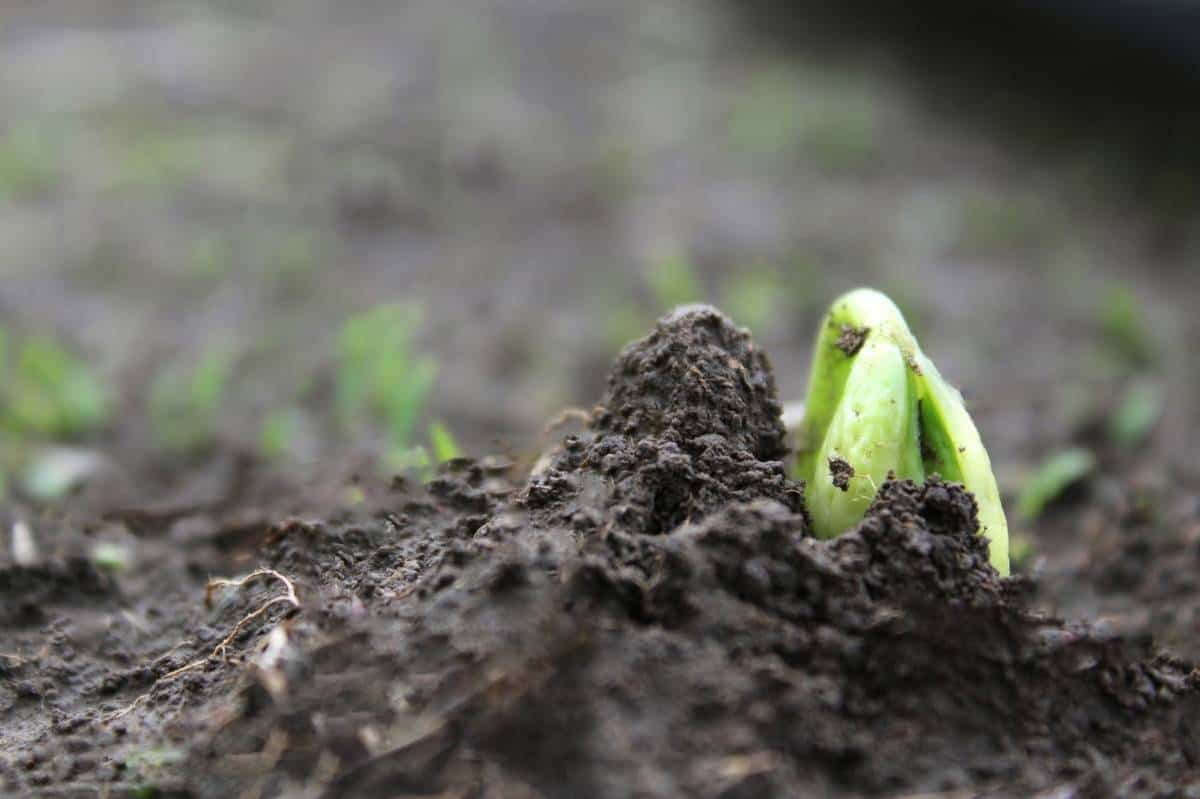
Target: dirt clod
x,y
851,339
840,472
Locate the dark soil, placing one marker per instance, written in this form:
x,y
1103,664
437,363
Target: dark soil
x,y
647,615
840,472
852,338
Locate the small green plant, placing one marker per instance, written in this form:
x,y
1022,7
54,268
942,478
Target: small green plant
x,y
1123,325
877,406
753,298
47,392
673,280
279,432
1135,416
1058,472
379,373
184,406
442,442
381,379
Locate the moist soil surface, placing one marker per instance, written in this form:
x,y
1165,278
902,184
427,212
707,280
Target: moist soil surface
x,y
646,614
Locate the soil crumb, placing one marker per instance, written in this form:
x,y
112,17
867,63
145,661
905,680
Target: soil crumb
x,y
648,616
851,339
840,472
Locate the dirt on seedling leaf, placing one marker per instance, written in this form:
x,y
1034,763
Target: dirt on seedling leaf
x,y
840,472
648,615
852,339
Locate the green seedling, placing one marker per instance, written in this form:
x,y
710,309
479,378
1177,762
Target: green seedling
x,y
380,376
442,442
47,392
877,406
184,407
279,431
673,280
1057,473
1136,415
753,298
622,320
1123,324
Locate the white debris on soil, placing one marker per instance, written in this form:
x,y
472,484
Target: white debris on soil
x,y
24,548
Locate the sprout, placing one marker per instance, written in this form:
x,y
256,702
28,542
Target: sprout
x,y
877,407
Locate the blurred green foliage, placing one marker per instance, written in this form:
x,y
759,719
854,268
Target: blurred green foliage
x,y
46,391
992,223
623,320
279,431
379,373
30,158
1056,474
442,442
785,116
673,280
1124,327
1135,416
382,380
282,258
185,404
752,298
145,155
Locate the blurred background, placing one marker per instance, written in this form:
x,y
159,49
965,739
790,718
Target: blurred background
x,y
303,231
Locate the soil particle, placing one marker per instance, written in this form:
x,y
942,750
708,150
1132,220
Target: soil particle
x,y
840,472
851,339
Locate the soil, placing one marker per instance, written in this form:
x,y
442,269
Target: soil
x,y
643,604
646,615
852,338
840,472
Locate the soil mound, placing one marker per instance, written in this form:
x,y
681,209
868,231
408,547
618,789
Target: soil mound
x,y
649,616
